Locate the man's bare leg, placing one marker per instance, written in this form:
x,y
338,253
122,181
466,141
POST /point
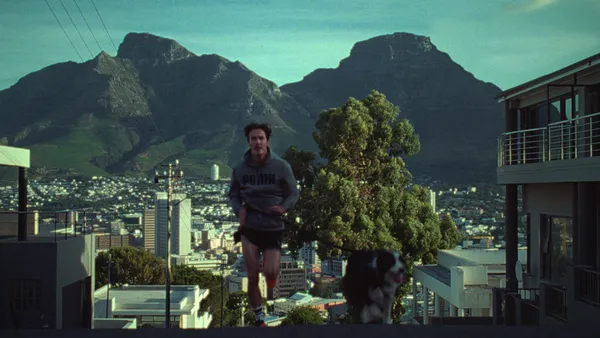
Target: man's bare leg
x,y
252,261
271,265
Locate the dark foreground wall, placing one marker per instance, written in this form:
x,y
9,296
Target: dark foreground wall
x,y
328,331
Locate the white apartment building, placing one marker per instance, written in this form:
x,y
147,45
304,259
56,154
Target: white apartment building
x,y
462,282
146,304
181,224
334,267
308,254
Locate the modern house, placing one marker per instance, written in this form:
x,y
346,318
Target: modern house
x,y
46,281
460,285
550,155
144,306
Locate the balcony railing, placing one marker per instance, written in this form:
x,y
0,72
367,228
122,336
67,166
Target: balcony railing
x,y
575,138
587,285
556,302
55,225
526,300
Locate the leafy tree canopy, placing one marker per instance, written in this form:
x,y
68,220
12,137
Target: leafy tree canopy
x,y
303,315
129,265
363,197
451,236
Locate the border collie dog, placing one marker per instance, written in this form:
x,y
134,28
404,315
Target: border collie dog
x,y
370,284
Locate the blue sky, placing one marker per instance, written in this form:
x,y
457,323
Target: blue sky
x,y
501,41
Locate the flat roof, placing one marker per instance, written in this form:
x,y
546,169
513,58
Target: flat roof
x,y
491,257
533,84
436,271
148,298
14,157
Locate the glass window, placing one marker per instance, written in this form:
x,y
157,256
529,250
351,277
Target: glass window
x,y
555,112
568,108
557,247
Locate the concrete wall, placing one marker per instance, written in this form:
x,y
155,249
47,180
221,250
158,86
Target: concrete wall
x,y
574,170
354,331
77,262
111,323
56,264
28,260
551,199
448,260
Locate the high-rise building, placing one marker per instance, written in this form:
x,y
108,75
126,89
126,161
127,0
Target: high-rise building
x,y
181,224
308,254
149,230
214,172
293,277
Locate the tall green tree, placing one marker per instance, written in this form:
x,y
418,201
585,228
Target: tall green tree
x,y
129,265
303,165
238,306
188,275
451,236
303,315
363,197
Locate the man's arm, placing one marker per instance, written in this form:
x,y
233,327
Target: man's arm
x,y
292,187
235,200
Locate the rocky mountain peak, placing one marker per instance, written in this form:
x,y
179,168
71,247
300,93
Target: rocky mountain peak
x,y
145,48
392,46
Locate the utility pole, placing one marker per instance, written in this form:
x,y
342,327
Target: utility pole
x,y
108,286
172,174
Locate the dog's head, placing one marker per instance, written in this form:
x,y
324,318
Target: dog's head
x,y
390,266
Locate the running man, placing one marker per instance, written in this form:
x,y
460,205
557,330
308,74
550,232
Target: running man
x,y
263,188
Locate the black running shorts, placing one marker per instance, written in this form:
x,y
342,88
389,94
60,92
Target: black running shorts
x,y
264,240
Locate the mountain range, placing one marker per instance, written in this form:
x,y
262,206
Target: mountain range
x,y
155,100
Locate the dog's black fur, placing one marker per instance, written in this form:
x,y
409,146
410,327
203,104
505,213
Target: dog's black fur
x,y
370,284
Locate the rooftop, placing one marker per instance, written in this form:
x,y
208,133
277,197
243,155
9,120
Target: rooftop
x,y
549,78
490,257
436,271
151,297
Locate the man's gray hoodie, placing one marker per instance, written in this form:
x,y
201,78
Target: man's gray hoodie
x,y
260,187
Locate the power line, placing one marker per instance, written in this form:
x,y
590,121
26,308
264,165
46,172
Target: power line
x,y
125,68
87,24
127,74
77,29
64,31
103,25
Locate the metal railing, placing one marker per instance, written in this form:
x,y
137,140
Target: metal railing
x,y
54,225
527,300
564,140
587,285
556,302
523,146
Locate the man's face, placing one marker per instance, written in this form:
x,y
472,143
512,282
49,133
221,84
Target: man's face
x,y
258,142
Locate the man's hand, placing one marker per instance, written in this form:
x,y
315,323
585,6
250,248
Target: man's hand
x,y
242,215
278,209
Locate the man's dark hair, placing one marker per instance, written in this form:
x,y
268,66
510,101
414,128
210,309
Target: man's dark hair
x,y
263,126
